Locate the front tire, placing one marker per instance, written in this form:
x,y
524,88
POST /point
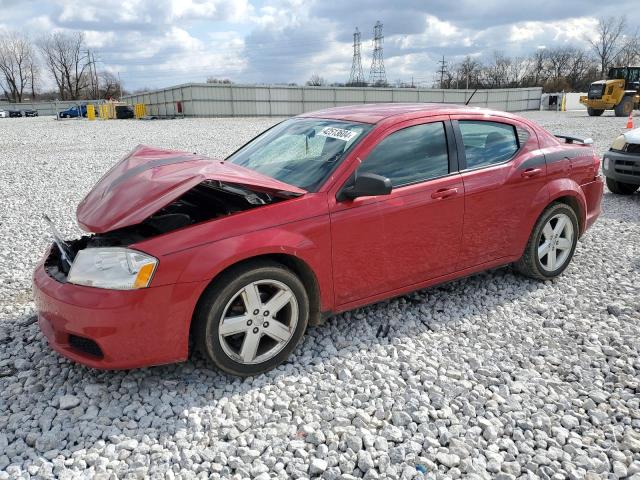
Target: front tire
x,y
624,108
251,318
552,243
594,112
621,188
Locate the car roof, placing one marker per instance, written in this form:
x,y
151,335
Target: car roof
x,y
377,112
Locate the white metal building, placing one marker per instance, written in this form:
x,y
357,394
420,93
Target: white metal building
x,y
213,100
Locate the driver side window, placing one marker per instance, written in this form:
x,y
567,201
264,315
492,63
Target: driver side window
x,y
411,155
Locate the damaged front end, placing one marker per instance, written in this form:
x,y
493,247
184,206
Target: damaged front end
x,y
149,193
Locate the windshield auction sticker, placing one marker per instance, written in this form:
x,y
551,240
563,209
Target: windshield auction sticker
x,y
338,133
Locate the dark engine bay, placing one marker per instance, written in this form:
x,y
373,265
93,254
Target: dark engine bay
x,y
206,201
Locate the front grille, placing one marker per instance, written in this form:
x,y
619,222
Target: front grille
x,y
595,92
627,167
85,345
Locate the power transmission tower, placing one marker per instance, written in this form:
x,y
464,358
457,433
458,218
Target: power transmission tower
x,y
377,75
356,79
443,70
93,75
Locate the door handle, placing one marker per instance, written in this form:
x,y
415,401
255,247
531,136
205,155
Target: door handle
x,y
444,193
531,172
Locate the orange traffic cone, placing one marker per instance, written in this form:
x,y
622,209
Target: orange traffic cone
x,y
630,120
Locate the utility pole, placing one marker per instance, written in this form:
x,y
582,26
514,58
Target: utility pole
x,y
95,72
356,79
377,74
90,73
93,75
443,69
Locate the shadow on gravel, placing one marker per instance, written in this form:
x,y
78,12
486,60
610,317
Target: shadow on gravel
x,y
153,402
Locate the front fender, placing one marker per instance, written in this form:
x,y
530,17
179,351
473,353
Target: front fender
x,y
307,240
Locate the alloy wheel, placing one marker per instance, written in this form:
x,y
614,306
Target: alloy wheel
x,y
258,321
556,242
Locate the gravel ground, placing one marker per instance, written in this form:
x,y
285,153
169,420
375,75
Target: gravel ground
x,y
493,376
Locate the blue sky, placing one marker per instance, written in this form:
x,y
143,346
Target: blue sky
x,y
154,43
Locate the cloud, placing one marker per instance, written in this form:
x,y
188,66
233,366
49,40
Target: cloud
x,y
163,42
145,14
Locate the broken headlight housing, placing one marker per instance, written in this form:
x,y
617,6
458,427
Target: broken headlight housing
x,y
113,268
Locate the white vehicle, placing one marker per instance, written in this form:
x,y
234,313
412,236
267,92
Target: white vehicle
x,y
4,114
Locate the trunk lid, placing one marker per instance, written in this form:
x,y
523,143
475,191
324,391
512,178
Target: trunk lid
x,y
148,179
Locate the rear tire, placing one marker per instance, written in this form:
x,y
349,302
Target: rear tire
x,y
235,338
621,188
552,243
624,108
594,112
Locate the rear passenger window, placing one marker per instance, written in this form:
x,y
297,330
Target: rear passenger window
x,y
410,155
487,143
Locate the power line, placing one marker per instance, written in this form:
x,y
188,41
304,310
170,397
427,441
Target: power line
x,y
357,77
377,74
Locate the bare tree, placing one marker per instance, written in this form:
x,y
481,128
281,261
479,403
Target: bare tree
x,y
316,81
517,71
17,65
109,85
496,73
537,68
468,72
608,41
558,60
578,65
630,52
68,61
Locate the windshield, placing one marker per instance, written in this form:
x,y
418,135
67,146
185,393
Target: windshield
x,y
301,151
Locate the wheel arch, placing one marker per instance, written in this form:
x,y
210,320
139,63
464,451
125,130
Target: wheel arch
x,y
297,265
577,204
567,191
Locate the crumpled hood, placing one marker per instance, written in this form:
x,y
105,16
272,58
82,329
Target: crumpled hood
x,y
149,178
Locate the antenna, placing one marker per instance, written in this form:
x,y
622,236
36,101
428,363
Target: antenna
x,y
356,79
377,74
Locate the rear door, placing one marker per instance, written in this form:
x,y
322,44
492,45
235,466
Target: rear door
x,y
384,243
504,175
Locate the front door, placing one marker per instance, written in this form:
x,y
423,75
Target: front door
x,y
385,243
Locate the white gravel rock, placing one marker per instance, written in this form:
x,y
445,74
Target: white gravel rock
x,y
493,376
67,402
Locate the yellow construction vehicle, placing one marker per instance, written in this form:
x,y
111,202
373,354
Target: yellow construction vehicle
x,y
620,92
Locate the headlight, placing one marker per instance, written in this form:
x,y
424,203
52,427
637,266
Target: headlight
x,y
112,267
605,164
619,143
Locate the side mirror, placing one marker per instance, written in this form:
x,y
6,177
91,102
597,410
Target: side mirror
x,y
366,185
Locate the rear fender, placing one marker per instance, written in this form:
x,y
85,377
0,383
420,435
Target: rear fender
x,y
553,191
564,187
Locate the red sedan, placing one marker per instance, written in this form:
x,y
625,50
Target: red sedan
x,y
322,213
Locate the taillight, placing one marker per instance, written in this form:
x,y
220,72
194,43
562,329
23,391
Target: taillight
x,y
596,166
